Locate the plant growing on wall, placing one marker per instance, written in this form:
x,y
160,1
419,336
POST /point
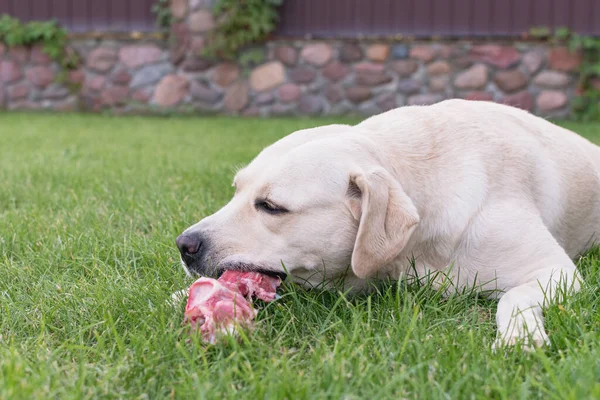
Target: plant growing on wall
x,y
586,106
241,22
162,10
49,34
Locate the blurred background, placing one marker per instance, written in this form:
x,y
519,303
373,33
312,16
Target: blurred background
x,y
298,57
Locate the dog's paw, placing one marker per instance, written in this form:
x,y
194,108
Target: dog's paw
x,y
528,341
178,297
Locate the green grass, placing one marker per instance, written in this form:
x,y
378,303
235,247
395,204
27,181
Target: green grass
x,y
89,210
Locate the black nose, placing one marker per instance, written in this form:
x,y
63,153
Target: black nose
x,y
189,244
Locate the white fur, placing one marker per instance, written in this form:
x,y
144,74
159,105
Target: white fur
x,y
487,194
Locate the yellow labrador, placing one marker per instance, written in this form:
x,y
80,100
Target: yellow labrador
x,y
485,193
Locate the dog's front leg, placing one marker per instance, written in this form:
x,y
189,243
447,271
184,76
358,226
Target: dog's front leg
x,y
510,241
519,316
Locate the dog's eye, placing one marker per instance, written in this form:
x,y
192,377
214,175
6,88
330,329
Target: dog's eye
x,y
268,207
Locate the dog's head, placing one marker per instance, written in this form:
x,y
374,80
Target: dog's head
x,y
317,204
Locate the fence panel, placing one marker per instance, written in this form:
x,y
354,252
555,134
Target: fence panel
x,y
341,18
424,18
86,15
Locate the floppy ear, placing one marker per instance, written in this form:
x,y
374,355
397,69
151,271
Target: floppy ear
x,y
387,220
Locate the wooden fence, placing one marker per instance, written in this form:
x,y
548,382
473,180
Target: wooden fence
x,y
426,18
86,15
342,18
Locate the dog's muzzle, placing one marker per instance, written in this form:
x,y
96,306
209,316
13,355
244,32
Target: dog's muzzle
x,y
191,247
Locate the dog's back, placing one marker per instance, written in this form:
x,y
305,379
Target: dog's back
x,y
467,150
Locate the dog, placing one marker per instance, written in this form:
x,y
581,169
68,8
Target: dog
x,y
481,194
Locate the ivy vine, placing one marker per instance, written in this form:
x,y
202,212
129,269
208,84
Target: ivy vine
x,y
49,34
239,23
164,18
586,105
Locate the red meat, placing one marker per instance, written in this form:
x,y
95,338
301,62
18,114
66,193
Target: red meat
x,y
251,284
219,305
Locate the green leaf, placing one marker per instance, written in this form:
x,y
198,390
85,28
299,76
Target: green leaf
x,y
562,33
241,23
539,31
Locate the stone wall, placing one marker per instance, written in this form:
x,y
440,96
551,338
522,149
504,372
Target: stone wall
x,y
286,76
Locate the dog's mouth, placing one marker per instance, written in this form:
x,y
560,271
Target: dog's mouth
x,y
273,274
245,267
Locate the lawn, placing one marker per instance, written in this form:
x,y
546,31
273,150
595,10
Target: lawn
x,y
89,210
